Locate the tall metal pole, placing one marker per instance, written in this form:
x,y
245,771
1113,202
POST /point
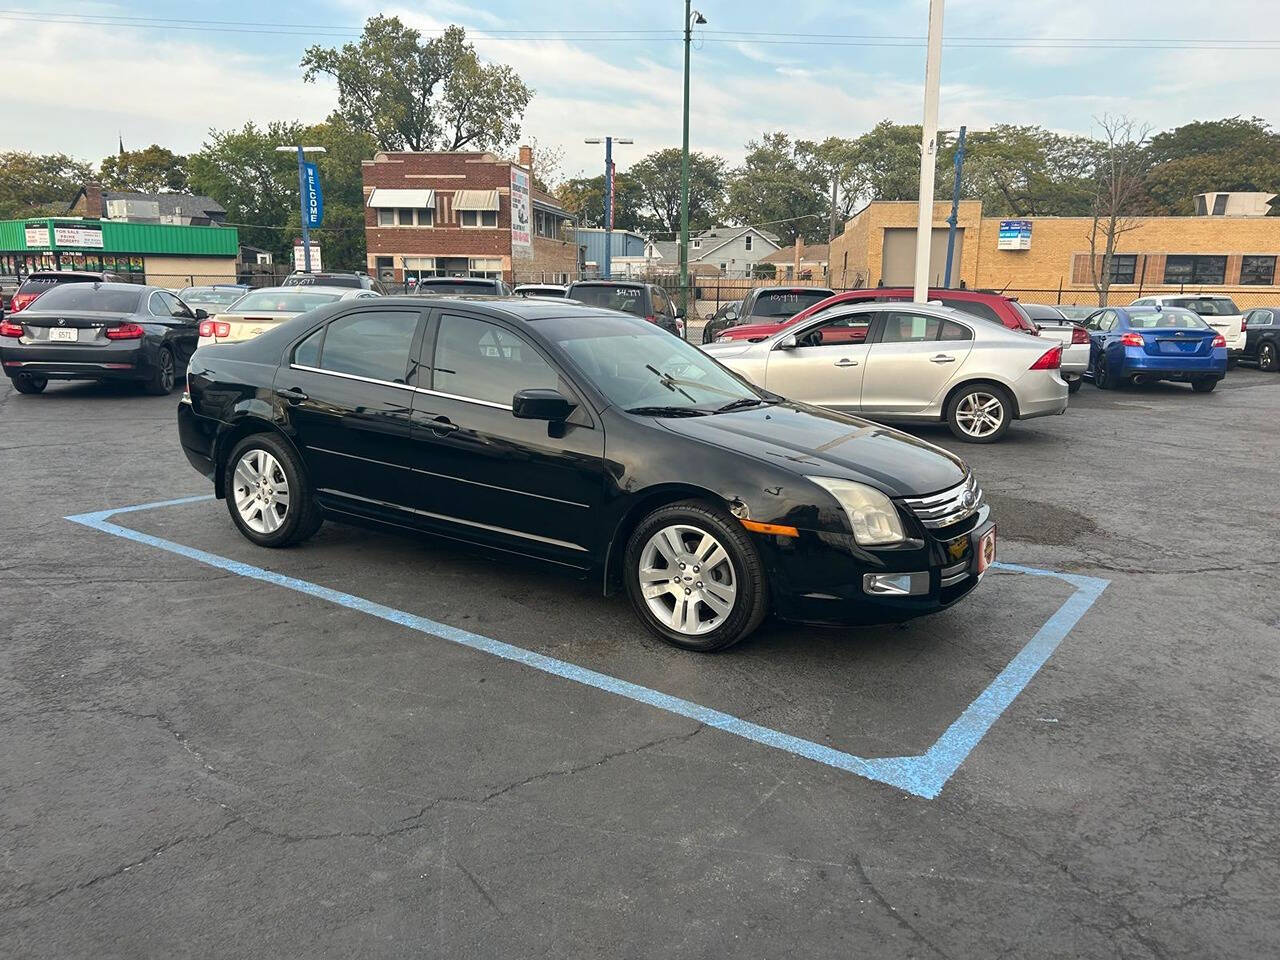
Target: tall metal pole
x,y
607,265
302,209
955,207
928,151
684,170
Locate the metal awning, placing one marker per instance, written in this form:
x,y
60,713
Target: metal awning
x,y
384,199
475,200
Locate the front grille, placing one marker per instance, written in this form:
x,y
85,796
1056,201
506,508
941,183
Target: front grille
x,y
948,507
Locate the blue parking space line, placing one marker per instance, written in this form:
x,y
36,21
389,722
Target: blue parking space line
x,y
923,776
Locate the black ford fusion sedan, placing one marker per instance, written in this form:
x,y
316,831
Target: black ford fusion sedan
x,y
590,440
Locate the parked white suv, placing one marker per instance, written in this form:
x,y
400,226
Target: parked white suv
x,y
1219,312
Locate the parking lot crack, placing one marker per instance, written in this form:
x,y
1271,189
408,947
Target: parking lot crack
x,y
893,911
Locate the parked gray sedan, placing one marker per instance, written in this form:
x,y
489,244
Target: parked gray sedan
x,y
908,362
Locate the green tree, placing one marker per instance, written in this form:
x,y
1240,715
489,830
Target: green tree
x,y
35,185
888,160
584,197
154,169
776,190
657,177
1230,154
415,94
1024,171
836,163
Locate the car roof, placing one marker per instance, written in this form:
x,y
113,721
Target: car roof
x,y
517,308
608,283
59,274
308,288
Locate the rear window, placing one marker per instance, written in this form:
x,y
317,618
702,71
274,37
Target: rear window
x,y
197,295
322,280
786,303
85,296
37,283
461,283
627,299
1166,320
977,309
283,301
1207,306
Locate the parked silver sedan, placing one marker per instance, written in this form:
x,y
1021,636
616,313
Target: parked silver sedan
x,y
908,362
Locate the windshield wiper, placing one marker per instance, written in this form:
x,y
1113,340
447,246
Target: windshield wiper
x,y
742,403
667,411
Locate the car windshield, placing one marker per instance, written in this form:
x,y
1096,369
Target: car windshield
x,y
206,295
628,299
86,296
1166,319
786,303
1208,306
283,301
642,368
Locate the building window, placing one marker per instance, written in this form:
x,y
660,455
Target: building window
x,y
386,218
1209,270
490,267
1220,205
747,241
478,218
1258,270
1123,266
697,244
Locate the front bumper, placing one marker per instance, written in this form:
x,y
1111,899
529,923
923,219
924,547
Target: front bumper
x,y
820,577
122,360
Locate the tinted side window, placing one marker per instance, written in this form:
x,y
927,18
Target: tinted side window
x,y
307,353
909,328
156,306
372,343
483,361
955,331
973,307
849,328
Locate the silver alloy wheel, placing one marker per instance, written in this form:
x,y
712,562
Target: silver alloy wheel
x,y
261,491
980,414
1267,357
687,579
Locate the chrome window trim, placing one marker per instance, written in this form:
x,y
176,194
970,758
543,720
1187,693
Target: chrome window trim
x,y
401,386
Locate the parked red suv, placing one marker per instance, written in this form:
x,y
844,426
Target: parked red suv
x,y
989,306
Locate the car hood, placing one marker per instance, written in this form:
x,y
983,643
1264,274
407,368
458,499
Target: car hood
x,y
746,331
815,442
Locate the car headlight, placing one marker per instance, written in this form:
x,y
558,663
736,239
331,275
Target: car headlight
x,y
871,514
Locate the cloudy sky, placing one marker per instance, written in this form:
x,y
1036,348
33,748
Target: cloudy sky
x,y
78,74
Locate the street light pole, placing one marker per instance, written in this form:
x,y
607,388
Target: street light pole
x,y
302,197
691,17
606,266
928,151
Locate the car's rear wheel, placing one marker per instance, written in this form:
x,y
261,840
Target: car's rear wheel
x,y
26,383
1103,378
1204,384
267,492
694,577
980,413
1267,357
164,376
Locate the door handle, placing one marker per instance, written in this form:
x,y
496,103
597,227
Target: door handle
x,y
443,426
846,363
942,358
294,394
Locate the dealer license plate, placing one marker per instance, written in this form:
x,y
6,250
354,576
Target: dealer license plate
x,y
64,333
987,550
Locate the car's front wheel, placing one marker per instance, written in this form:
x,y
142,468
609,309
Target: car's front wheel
x,y
980,413
26,383
694,577
1267,357
267,492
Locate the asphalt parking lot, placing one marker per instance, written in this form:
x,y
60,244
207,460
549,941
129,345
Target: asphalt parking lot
x,y
201,763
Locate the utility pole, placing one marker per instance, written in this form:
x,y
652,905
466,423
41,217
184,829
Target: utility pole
x,y
302,197
928,151
606,264
831,228
955,206
691,17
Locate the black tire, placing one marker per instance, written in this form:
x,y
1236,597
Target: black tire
x,y
27,383
1204,384
1073,386
1232,362
1267,357
164,377
981,388
1103,378
752,599
302,517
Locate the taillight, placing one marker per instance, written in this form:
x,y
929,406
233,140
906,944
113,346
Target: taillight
x,y
215,328
21,301
8,329
126,331
1132,340
1079,335
1219,341
1244,323
206,328
1049,360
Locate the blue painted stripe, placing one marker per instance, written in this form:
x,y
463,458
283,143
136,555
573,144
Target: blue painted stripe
x,y
923,776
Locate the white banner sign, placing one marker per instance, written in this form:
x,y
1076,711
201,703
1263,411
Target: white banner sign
x,y
300,258
521,217
76,235
37,236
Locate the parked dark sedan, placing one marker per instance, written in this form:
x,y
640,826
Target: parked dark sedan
x,y
99,331
592,441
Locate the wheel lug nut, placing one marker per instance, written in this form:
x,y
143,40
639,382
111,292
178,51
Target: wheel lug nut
x,y
687,591
696,568
698,584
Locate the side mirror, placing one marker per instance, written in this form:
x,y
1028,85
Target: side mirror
x,y
731,315
787,343
540,403
202,314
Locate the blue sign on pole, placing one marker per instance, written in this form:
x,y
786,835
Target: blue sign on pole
x,y
312,195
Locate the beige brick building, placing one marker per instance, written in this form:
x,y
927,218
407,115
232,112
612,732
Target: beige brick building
x,y
1159,254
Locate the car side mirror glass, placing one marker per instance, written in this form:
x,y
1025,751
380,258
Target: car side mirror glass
x,y
731,315
202,314
541,403
787,343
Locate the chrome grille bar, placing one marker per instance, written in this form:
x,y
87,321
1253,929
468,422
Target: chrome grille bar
x,y
950,506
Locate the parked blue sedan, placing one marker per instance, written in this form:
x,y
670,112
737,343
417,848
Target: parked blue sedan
x,y
1145,344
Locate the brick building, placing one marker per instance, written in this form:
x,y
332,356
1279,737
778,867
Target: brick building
x,y
450,214
1235,254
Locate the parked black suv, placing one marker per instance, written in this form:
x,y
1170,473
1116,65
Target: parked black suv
x,y
481,286
360,281
1262,337
647,300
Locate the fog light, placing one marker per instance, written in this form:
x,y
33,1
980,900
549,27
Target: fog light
x,y
895,584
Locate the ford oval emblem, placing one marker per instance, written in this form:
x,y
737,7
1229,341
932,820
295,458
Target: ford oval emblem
x,y
968,499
